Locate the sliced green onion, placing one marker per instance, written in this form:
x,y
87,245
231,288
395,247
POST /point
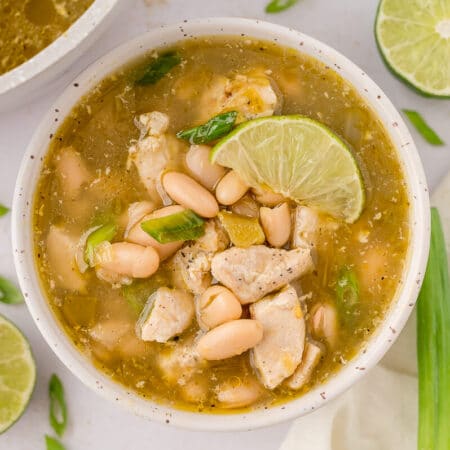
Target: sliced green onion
x,y
3,210
433,346
182,226
347,288
423,128
215,128
276,6
99,235
58,407
347,293
9,293
159,67
53,444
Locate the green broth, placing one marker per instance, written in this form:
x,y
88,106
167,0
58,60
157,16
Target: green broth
x,y
101,127
27,27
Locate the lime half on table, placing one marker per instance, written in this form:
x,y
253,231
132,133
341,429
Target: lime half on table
x,y
17,374
413,37
299,158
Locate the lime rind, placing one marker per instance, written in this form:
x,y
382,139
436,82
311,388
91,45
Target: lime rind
x,y
408,36
17,374
299,158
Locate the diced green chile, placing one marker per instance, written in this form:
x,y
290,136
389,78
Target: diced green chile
x,y
423,128
159,67
9,293
101,234
182,226
433,345
58,407
276,6
215,128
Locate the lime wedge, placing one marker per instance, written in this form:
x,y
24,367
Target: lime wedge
x,y
17,374
414,40
299,158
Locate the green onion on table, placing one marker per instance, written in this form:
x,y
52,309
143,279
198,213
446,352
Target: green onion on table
x,y
433,346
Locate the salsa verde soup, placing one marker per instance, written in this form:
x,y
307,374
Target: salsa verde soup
x,y
180,278
27,27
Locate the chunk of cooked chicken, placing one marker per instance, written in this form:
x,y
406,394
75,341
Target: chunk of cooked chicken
x,y
167,313
306,226
150,153
179,363
252,95
191,265
253,272
303,373
110,332
72,172
280,352
61,250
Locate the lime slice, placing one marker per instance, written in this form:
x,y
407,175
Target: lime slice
x,y
17,374
414,40
299,158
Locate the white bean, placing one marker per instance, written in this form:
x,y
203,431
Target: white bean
x,y
276,223
230,188
217,305
324,323
136,211
129,259
187,192
230,339
238,393
201,168
267,197
138,236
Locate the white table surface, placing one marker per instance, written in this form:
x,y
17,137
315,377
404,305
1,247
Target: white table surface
x,y
94,422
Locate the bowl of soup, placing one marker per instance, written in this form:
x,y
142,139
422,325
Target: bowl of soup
x,y
221,225
40,38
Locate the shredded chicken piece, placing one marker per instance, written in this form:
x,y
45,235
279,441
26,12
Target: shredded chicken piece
x,y
61,251
150,152
191,264
280,352
310,359
168,313
179,363
306,225
252,95
253,272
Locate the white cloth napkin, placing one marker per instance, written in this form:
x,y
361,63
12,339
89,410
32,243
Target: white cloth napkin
x,y
380,412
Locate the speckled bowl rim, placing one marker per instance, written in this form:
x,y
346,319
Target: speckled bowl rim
x,y
59,48
379,342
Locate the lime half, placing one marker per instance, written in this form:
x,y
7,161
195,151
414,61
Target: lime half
x,y
17,374
299,158
414,40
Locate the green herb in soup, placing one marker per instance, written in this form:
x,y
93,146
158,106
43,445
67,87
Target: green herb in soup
x,y
217,292
27,27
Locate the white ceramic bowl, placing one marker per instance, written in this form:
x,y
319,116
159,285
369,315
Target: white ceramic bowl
x,y
379,342
25,81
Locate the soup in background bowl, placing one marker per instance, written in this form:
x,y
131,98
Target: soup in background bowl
x,y
40,38
178,287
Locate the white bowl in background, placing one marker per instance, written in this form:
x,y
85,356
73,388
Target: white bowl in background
x,y
379,342
24,82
